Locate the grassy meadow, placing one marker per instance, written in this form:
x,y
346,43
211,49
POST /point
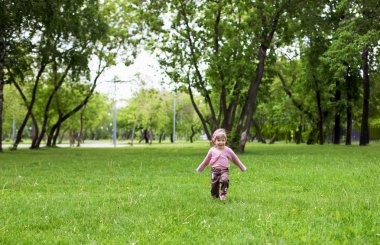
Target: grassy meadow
x,y
291,194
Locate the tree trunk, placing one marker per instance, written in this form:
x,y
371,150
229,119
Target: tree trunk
x,y
298,135
145,136
162,137
30,107
349,125
274,137
253,90
349,100
223,94
34,134
56,135
63,118
364,131
321,137
34,131
71,138
47,107
337,129
195,62
193,132
337,124
2,82
59,137
267,37
150,136
54,131
313,136
203,120
226,112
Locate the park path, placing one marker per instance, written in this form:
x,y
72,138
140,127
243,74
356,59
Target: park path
x,y
84,145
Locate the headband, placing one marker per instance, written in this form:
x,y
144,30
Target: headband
x,y
218,132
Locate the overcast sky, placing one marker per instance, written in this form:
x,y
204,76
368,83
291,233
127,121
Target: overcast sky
x,y
145,64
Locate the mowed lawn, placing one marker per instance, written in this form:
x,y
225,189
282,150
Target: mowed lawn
x,y
291,194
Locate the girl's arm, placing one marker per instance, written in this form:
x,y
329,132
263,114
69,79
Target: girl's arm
x,y
205,162
235,159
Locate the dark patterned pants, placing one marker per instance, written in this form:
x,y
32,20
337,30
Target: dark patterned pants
x,y
219,182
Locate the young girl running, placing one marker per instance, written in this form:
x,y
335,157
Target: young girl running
x,y
218,158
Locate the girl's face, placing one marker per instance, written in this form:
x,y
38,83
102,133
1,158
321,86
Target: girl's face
x,y
220,142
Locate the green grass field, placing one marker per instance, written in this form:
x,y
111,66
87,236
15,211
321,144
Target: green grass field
x,y
291,194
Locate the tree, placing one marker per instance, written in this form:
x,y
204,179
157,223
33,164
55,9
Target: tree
x,y
13,113
59,45
187,121
154,116
86,124
2,82
353,47
68,36
13,20
219,49
77,97
332,61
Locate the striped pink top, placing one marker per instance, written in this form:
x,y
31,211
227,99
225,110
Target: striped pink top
x,y
220,159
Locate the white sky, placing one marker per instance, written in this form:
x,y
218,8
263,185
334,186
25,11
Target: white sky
x,y
145,64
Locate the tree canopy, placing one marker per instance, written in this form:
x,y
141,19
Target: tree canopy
x,y
230,53
280,69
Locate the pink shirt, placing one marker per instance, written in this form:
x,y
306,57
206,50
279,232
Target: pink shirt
x,y
220,159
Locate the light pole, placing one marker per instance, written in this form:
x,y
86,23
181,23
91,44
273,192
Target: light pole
x,y
174,115
114,117
114,126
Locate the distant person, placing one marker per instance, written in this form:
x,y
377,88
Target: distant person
x,y
218,157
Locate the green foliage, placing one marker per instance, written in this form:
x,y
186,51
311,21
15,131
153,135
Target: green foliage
x,y
290,194
14,109
216,57
53,49
153,109
354,30
212,48
95,116
150,107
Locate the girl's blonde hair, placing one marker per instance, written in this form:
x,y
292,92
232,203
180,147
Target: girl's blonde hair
x,y
217,133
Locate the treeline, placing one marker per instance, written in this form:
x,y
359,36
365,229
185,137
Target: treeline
x,y
307,67
147,116
47,49
276,69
